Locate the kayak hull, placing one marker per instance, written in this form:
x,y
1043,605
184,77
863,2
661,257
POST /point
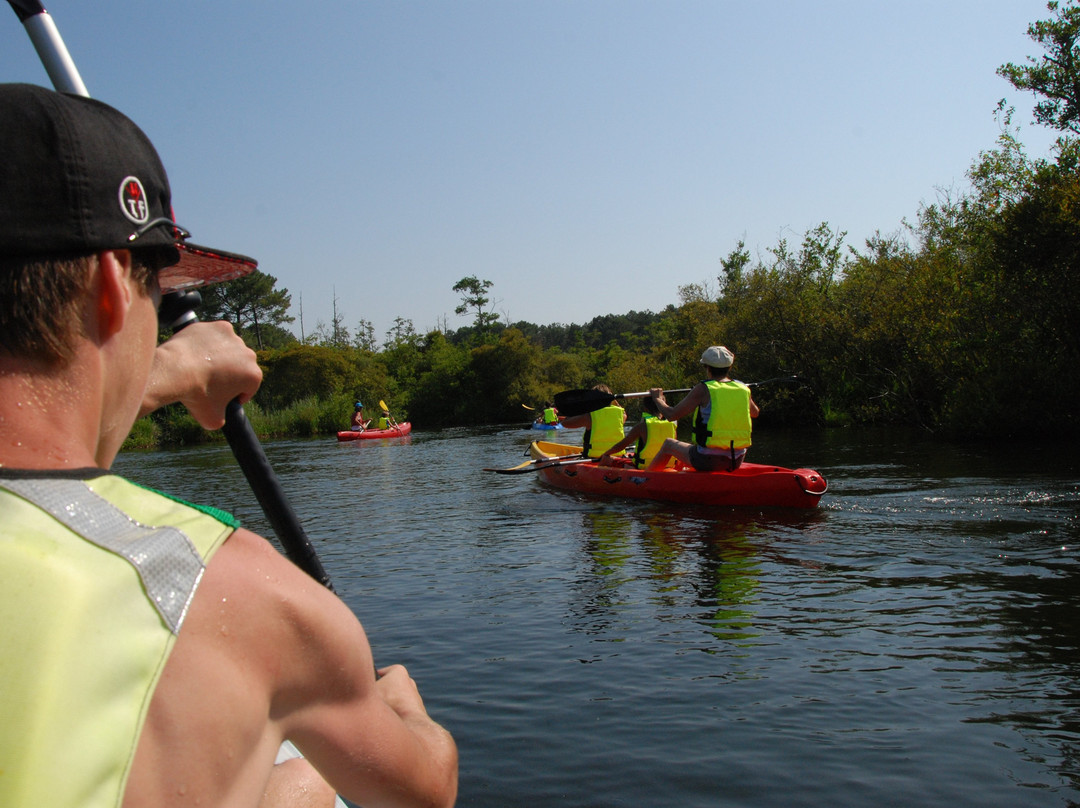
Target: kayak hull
x,y
536,425
752,484
404,428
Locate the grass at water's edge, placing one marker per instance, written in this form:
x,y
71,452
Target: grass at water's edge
x,y
173,426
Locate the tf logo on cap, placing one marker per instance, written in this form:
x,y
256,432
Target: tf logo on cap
x,y
133,201
79,176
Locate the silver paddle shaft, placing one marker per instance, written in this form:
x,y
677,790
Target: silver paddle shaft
x,y
50,47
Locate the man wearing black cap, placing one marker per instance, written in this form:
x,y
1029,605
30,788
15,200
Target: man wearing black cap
x,y
722,410
151,651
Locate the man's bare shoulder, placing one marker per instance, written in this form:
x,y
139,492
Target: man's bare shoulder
x,y
261,645
282,606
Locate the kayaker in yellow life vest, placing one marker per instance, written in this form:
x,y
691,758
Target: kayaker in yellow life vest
x,y
649,434
550,415
154,652
723,408
603,427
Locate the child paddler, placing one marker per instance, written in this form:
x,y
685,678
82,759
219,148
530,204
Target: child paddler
x,y
603,427
648,434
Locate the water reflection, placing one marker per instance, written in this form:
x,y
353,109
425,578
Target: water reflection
x,y
690,567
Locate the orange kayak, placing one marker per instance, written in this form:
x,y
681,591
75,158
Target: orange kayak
x,y
752,484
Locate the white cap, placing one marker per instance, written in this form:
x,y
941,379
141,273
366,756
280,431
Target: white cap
x,y
717,356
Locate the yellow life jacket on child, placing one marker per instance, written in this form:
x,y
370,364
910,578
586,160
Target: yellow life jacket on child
x,y
657,430
605,431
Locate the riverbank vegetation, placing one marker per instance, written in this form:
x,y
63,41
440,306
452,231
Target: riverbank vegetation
x,y
965,321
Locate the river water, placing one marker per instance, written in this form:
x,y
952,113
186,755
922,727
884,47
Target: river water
x,y
914,641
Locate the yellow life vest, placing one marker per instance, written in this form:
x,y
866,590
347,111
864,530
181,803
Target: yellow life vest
x,y
96,576
605,431
550,416
384,423
657,430
728,421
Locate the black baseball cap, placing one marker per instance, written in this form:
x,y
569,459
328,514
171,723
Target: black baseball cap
x,y
77,176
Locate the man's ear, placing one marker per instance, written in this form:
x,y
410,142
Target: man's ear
x,y
114,294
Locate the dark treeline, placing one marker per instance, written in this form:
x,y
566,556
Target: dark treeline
x,y
965,321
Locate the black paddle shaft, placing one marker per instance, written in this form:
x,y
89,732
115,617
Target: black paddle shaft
x,y
178,311
578,402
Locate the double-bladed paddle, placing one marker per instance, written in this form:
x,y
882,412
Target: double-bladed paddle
x,y
579,402
536,465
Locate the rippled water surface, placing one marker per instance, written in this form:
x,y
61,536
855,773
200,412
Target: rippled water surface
x,y
914,641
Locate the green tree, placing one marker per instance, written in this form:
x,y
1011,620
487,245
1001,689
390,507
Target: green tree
x,y
732,280
274,336
364,338
301,371
433,377
1056,75
402,332
403,359
248,303
474,296
1031,249
500,377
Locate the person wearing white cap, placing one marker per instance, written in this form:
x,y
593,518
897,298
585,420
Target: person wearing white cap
x,y
723,409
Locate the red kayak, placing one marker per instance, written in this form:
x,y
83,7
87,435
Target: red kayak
x,y
396,431
752,484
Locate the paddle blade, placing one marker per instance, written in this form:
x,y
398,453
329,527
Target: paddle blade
x,y
536,465
382,406
578,402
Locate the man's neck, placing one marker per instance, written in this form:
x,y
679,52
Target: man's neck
x,y
46,421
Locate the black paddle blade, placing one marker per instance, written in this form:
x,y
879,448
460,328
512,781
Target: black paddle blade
x,y
579,402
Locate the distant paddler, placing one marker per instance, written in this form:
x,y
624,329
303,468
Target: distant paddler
x,y
550,415
358,422
385,420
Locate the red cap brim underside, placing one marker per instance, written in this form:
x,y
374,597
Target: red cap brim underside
x,y
200,266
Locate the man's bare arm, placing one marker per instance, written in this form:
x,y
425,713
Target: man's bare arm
x,y
204,367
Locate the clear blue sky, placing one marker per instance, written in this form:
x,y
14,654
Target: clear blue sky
x,y
586,156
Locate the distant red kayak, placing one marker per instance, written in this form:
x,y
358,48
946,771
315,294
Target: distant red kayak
x,y
396,431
